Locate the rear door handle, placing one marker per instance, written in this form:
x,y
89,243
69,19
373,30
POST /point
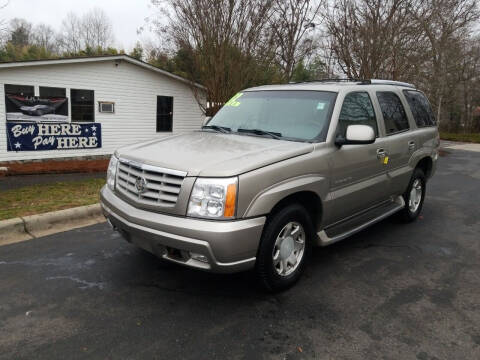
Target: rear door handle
x,y
411,145
381,153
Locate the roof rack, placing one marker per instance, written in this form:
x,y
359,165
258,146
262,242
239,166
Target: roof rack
x,y
361,82
388,82
328,80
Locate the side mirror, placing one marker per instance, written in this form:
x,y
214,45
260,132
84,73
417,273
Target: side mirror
x,y
357,135
206,120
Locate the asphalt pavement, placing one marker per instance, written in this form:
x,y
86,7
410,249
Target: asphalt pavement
x,y
393,291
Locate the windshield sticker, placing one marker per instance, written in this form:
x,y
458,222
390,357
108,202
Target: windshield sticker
x,y
321,106
233,101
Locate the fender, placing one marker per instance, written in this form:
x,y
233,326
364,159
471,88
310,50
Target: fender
x,y
264,202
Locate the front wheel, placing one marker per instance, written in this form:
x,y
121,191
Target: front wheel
x,y
284,248
414,196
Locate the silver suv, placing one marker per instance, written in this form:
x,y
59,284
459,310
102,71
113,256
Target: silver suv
x,y
278,170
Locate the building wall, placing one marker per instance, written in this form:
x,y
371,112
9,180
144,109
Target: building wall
x,y
133,89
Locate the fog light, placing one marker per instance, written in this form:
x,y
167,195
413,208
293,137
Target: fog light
x,y
199,257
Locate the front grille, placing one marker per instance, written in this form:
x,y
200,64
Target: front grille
x,y
149,185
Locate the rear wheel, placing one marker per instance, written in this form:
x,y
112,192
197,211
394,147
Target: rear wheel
x,y
284,248
414,196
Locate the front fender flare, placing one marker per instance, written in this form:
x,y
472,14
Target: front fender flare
x,y
264,201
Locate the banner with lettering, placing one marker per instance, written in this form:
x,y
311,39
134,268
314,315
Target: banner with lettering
x,y
34,108
32,136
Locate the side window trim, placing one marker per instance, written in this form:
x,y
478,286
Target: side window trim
x,y
399,131
402,102
405,94
377,129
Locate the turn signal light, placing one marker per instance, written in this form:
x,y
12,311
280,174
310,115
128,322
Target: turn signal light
x,y
230,200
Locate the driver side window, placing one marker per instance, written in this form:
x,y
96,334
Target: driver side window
x,y
357,109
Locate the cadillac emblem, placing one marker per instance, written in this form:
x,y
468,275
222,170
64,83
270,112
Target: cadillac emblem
x,y
141,185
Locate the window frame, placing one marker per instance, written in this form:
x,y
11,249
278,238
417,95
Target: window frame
x,y
157,115
404,92
377,130
71,106
383,118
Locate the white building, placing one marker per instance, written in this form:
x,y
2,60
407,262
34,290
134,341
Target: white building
x,y
90,106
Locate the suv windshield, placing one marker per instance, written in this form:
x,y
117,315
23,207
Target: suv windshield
x,y
291,114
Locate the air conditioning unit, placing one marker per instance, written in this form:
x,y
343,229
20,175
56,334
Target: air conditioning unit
x,y
106,107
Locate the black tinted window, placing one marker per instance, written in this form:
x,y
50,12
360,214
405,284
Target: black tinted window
x,y
357,109
421,109
82,105
22,90
393,112
164,113
52,92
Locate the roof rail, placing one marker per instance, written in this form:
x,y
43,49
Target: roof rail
x,y
327,80
359,82
388,82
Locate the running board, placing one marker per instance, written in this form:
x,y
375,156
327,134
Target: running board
x,y
324,240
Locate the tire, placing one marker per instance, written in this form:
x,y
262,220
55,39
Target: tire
x,y
282,239
414,201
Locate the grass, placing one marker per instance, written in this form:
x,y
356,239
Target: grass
x,y
472,138
38,199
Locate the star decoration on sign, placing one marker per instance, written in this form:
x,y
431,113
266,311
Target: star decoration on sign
x,y
94,128
86,130
94,134
18,145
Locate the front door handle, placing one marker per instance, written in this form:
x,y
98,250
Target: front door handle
x,y
381,153
411,145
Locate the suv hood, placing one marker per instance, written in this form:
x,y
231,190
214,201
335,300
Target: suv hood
x,y
213,154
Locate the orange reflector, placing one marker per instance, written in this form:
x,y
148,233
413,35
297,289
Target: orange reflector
x,y
230,200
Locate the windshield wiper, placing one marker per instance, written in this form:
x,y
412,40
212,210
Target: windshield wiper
x,y
274,135
222,129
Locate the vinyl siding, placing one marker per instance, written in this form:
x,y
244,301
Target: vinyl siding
x,y
133,89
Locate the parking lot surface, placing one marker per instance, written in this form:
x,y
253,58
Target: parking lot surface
x,y
393,291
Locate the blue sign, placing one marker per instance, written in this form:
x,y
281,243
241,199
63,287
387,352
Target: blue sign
x,y
32,136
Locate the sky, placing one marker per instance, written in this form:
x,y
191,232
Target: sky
x,y
126,15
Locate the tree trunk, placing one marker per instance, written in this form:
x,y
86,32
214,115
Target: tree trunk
x,y
439,108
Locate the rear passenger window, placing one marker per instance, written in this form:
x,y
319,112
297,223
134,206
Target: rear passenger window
x,y
393,112
357,109
421,109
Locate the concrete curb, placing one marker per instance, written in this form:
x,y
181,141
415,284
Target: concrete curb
x,y
30,227
12,229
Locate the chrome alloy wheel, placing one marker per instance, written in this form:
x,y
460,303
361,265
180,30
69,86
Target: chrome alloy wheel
x,y
415,197
289,249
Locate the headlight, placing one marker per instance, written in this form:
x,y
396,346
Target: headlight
x,y
213,198
112,172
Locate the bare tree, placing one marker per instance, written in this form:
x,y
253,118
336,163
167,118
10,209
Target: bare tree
x,y
226,40
45,37
443,22
71,34
292,25
92,31
96,29
374,38
3,26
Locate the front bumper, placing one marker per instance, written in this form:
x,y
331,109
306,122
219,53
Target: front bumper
x,y
227,246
